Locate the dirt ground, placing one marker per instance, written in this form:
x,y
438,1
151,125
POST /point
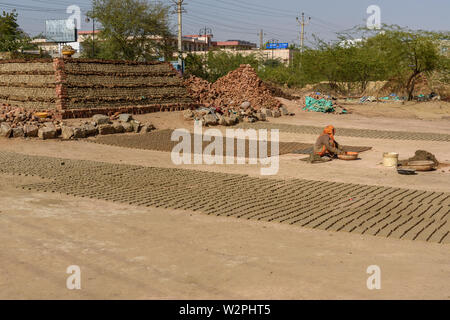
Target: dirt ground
x,y
135,252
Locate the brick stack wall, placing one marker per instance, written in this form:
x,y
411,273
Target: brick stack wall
x,y
83,87
99,86
28,83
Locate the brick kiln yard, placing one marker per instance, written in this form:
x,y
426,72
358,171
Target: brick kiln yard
x,y
140,227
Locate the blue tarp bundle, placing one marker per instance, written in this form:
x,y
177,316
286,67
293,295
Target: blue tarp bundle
x,y
321,105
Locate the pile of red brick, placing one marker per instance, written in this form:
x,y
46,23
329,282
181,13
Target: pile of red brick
x,y
17,116
17,122
229,92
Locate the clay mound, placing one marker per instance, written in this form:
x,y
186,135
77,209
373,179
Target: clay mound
x,y
422,155
238,86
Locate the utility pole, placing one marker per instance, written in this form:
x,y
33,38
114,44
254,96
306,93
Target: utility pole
x,y
302,29
179,11
93,38
93,35
206,32
261,35
273,42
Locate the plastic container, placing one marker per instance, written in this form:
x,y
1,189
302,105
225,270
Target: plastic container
x,y
390,159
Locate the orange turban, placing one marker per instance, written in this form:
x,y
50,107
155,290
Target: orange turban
x,y
329,130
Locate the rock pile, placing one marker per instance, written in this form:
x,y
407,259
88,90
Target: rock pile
x,y
238,96
102,125
17,122
215,116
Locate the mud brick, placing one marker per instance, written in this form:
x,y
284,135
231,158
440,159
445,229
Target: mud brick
x,y
260,116
128,127
118,127
79,133
67,132
30,130
5,130
209,120
106,129
125,117
276,113
90,130
18,132
136,126
100,119
47,133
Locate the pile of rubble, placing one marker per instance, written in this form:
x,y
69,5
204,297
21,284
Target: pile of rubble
x,y
101,124
244,113
238,96
17,122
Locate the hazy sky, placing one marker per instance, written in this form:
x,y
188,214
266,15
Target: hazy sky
x,y
242,19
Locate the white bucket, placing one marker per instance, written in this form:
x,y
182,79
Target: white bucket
x,y
390,159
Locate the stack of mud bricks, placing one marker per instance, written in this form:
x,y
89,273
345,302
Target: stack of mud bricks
x,y
71,95
84,87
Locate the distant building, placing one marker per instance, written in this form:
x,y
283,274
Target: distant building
x,y
54,48
233,45
350,42
191,44
204,39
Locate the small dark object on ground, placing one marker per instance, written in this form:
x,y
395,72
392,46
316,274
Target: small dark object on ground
x,y
406,171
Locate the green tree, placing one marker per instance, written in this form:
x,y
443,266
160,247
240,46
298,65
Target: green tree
x,y
216,64
132,29
196,65
412,53
12,38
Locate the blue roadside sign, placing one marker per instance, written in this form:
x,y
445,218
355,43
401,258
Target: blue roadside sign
x,y
277,45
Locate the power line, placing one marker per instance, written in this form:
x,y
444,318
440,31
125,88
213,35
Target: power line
x,y
257,25
260,6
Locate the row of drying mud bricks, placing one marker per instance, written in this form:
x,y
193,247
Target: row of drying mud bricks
x,y
332,206
86,113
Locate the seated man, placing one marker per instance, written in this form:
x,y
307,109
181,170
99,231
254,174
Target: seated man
x,y
326,147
